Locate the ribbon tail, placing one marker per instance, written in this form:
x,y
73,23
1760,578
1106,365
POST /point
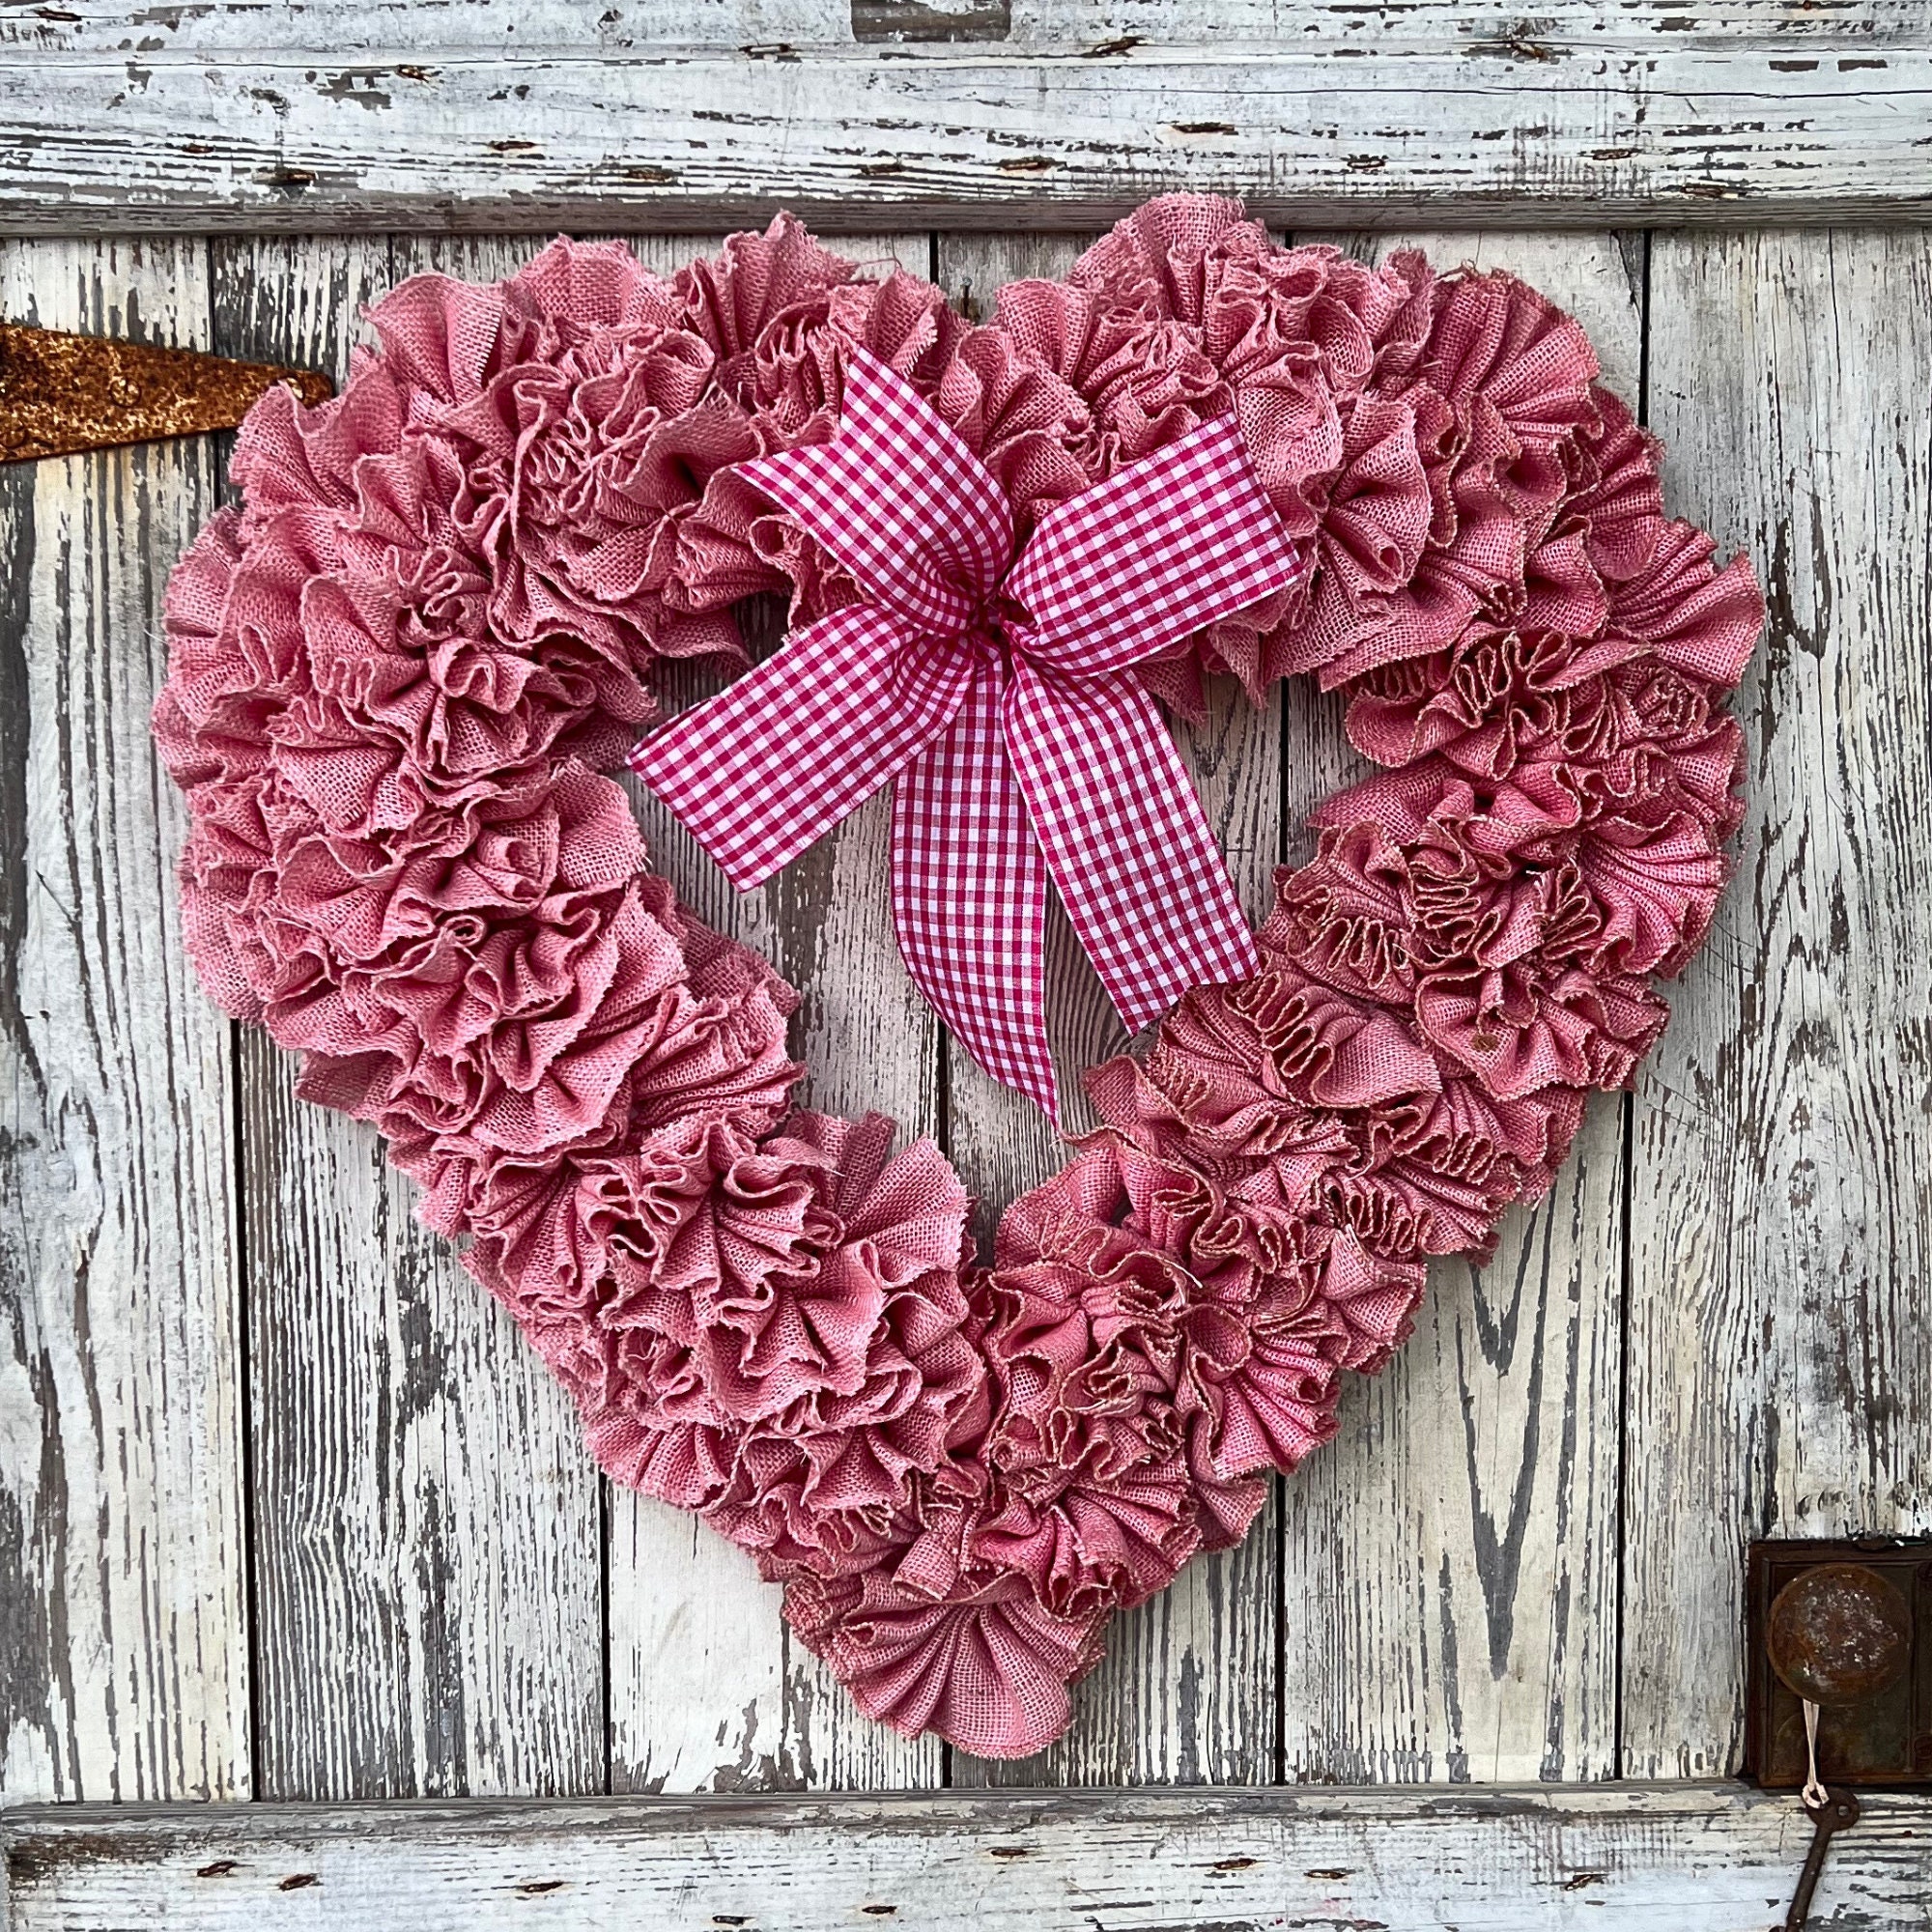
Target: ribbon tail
x,y
774,761
969,897
1127,843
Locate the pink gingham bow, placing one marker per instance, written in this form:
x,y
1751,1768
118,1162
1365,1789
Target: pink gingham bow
x,y
996,690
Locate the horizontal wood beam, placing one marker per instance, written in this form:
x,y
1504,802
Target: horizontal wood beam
x,y
160,132
1691,1858
617,27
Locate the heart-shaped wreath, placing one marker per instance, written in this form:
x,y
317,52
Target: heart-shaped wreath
x,y
396,675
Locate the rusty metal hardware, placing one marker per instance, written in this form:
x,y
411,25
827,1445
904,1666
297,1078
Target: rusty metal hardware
x,y
60,395
1840,1635
1836,1811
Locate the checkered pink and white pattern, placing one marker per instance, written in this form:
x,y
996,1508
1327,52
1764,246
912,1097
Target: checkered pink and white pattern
x,y
995,691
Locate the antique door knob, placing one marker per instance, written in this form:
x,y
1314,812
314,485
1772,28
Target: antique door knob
x,y
1838,1635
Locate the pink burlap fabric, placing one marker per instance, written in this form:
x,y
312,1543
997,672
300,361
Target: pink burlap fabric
x,y
399,671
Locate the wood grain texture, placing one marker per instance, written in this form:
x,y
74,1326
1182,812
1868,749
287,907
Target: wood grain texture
x,y
961,114
708,1690
1628,1858
1780,1361
426,1561
123,1669
1187,1694
429,1607
1449,1567
356,27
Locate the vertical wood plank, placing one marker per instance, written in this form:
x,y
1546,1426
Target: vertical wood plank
x,y
1449,1561
708,1690
999,1142
1780,1362
124,1668
1187,1694
427,1551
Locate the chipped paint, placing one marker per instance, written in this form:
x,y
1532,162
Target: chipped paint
x,y
918,110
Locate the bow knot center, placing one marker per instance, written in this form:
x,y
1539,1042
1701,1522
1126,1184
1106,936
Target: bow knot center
x,y
1002,634
983,676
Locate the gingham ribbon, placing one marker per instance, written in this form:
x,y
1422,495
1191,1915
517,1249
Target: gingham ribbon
x,y
996,690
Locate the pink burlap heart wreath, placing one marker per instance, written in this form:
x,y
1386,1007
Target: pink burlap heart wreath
x,y
397,673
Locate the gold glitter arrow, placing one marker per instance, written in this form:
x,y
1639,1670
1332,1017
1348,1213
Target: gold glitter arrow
x,y
61,393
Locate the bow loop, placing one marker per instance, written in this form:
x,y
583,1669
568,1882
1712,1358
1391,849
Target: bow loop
x,y
901,501
822,726
1022,749
1114,575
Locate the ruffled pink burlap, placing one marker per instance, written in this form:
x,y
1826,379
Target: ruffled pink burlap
x,y
398,671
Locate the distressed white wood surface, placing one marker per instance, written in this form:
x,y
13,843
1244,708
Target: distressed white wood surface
x,y
105,27
427,1597
1449,1596
426,1564
708,1690
124,1650
1633,1859
1780,1358
960,113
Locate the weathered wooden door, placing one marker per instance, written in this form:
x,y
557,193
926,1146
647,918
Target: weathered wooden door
x,y
288,1512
